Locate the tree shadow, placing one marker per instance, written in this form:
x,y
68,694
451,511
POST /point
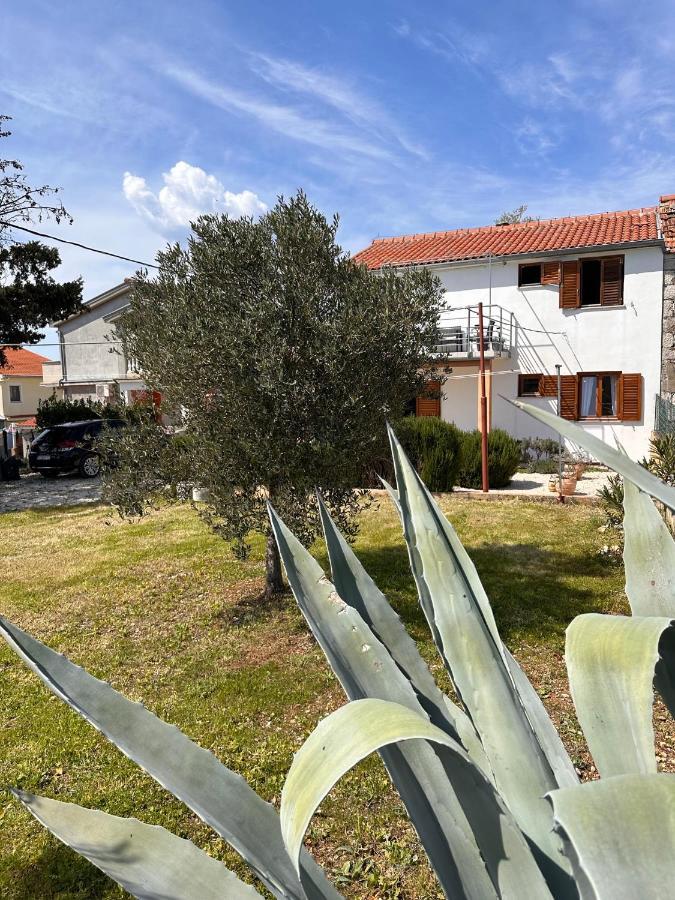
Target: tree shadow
x,y
60,873
531,589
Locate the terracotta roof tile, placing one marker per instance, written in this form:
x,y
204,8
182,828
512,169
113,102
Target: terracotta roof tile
x,y
570,233
22,362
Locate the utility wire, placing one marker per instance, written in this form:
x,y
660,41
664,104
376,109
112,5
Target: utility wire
x,y
51,237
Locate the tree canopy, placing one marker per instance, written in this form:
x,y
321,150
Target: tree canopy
x,y
29,297
285,358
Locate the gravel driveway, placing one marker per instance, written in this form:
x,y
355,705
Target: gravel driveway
x,y
36,492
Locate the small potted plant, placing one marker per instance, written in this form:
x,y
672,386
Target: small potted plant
x,y
569,482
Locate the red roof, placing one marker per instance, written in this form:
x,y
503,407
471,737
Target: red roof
x,y
30,422
570,233
22,362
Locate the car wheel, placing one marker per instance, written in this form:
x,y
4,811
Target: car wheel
x,y
90,466
49,474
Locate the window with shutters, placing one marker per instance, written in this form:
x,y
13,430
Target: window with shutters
x,y
610,395
529,273
529,386
429,402
592,282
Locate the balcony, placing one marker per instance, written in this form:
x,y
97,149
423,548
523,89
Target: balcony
x,y
458,338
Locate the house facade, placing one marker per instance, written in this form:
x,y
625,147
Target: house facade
x,y
22,386
93,366
584,293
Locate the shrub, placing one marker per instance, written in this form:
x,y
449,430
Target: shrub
x,y
503,459
433,447
489,785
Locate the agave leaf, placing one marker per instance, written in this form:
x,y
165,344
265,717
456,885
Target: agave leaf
x,y
619,834
463,628
611,457
354,731
366,669
393,494
147,860
219,796
648,556
611,662
355,586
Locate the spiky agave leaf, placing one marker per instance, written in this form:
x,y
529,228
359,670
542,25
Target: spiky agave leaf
x,y
620,833
648,555
356,730
147,860
612,663
463,627
219,796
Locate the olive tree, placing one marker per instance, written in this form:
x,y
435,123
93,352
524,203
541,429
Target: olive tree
x,y
284,357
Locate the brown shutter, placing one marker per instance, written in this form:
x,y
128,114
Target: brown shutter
x,y
569,289
429,406
550,273
548,386
569,403
611,288
630,398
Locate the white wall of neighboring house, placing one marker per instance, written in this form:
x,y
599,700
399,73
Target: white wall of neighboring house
x,y
624,338
31,390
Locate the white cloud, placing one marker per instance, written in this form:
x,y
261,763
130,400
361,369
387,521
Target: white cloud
x,y
188,192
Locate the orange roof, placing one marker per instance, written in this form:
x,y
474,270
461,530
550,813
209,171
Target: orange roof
x,y
22,362
571,233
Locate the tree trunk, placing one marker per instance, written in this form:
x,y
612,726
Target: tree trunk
x,y
274,582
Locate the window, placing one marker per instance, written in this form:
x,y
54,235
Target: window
x,y
14,393
529,273
529,386
429,401
592,282
598,395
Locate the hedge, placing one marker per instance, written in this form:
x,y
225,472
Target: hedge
x,y
503,459
433,447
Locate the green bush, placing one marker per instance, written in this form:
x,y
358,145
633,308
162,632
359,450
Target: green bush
x,y
504,453
433,447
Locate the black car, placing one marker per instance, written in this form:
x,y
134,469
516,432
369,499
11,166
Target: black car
x,y
69,448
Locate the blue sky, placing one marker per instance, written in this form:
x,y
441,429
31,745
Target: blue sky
x,y
401,117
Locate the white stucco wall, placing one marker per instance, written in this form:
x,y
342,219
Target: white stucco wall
x,y
624,338
32,391
87,354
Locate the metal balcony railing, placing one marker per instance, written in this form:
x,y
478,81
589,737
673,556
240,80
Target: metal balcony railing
x,y
458,337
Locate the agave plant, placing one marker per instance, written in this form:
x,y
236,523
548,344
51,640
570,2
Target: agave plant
x,y
487,782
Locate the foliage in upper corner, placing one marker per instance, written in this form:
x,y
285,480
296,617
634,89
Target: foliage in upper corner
x,y
285,358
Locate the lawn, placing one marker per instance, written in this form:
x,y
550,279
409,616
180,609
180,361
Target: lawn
x,y
161,610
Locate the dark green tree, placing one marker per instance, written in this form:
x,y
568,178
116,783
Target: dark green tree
x,y
29,297
285,358
514,216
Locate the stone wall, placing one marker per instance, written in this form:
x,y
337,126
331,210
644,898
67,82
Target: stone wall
x,y
667,223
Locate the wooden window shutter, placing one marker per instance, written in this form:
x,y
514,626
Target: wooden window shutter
x,y
429,406
611,288
630,398
550,273
569,396
569,288
548,386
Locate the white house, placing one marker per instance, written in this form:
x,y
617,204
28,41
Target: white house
x,y
583,292
93,366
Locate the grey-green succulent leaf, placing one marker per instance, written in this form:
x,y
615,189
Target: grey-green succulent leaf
x,y
355,586
612,663
648,555
619,834
219,796
393,494
358,729
465,634
615,459
147,860
365,669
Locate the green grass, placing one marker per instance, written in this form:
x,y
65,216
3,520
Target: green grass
x,y
161,610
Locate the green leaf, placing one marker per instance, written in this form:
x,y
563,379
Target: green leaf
x,y
355,586
147,860
619,834
393,494
366,669
648,556
611,457
219,796
463,628
611,662
351,733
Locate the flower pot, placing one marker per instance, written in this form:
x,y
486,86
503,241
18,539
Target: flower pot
x,y
569,485
553,484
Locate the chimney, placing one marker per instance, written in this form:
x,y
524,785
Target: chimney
x,y
667,220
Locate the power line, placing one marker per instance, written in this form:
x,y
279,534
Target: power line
x,y
52,237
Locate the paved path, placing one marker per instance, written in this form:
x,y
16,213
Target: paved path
x,y
532,485
36,492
